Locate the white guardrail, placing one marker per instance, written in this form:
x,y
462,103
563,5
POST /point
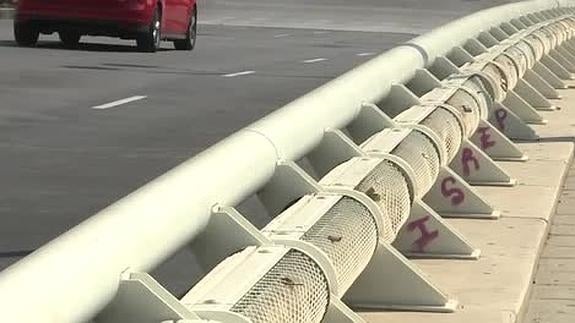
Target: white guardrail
x,y
391,147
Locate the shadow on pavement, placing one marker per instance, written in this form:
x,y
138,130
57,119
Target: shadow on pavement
x,y
87,47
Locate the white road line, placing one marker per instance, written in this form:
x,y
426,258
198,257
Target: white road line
x,y
366,54
239,74
282,35
315,60
119,102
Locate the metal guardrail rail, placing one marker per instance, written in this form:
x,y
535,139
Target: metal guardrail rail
x,y
395,146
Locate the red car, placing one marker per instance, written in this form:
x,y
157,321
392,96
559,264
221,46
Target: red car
x,y
147,21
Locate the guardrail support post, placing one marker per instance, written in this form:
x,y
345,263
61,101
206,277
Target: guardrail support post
x,y
532,96
334,149
475,47
227,232
555,67
426,235
548,76
443,67
477,168
564,60
289,183
495,144
510,123
370,120
541,85
399,99
452,197
523,109
338,312
391,282
459,56
423,82
140,299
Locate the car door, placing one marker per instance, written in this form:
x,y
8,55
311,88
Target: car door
x,y
177,16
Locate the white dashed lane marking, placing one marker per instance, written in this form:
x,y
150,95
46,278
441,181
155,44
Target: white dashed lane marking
x,y
282,35
366,54
119,102
239,74
314,60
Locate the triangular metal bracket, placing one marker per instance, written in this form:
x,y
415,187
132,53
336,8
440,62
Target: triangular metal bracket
x,y
549,76
567,55
227,233
140,299
533,97
423,82
477,168
510,124
391,282
487,39
498,34
452,197
399,99
523,109
459,56
475,47
443,68
427,235
541,85
335,148
555,67
562,60
370,120
495,144
288,184
338,312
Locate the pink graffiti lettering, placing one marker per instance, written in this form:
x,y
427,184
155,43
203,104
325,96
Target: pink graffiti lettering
x,y
467,157
486,141
501,116
455,194
426,235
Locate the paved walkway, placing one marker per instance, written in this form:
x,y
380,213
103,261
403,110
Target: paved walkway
x,y
553,295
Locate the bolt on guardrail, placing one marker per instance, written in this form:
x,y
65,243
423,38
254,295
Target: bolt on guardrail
x,y
394,147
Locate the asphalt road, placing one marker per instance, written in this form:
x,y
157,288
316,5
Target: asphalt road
x,y
61,160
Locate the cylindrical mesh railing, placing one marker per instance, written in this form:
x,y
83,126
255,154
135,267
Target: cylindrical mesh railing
x,y
420,153
294,290
388,187
348,235
445,124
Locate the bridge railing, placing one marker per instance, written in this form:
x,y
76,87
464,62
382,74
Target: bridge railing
x,y
358,175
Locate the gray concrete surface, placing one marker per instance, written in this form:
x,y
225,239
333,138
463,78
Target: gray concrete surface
x,y
553,296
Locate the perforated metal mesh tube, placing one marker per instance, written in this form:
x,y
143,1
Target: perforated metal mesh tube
x,y
510,70
387,186
528,51
348,235
420,153
520,58
444,123
469,108
294,290
497,74
537,45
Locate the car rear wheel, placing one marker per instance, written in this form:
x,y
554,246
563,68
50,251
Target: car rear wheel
x,y
70,38
190,41
26,33
150,40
